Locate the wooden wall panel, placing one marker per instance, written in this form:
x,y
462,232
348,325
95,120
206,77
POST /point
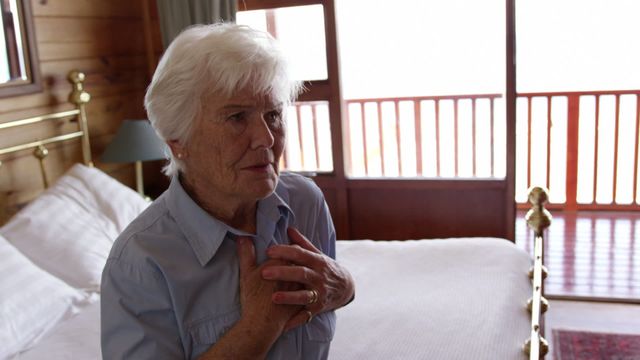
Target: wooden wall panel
x,y
103,39
100,111
57,90
102,46
406,213
74,29
87,8
101,64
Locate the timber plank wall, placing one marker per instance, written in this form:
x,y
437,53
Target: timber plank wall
x,y
106,41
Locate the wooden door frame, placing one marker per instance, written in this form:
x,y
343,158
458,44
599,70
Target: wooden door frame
x,y
510,62
335,184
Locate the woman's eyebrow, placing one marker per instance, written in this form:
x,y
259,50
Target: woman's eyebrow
x,y
236,106
276,106
271,106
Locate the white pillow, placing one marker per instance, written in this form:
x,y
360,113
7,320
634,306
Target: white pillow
x,y
69,229
32,301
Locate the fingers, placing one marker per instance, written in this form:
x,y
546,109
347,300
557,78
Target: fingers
x,y
293,254
298,239
297,274
299,297
298,319
246,255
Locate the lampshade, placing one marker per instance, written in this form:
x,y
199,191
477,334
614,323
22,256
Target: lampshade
x,y
135,141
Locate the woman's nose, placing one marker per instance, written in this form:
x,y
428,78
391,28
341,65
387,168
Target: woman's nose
x,y
262,135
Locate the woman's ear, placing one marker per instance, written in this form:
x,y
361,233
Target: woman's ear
x,y
177,149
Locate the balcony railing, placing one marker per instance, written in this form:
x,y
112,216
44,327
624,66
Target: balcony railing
x,y
428,136
308,138
583,146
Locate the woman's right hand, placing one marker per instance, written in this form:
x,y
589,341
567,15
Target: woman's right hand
x,y
262,321
258,308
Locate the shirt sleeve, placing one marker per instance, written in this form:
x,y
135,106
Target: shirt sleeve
x,y
320,218
137,318
326,231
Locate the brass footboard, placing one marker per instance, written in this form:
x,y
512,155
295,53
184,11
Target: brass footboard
x,y
538,219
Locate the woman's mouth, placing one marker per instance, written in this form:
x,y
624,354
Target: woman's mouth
x,y
259,168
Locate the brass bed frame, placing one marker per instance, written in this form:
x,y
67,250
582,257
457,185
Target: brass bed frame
x,y
538,218
79,98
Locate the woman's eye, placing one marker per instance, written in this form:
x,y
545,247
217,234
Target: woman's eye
x,y
236,117
274,117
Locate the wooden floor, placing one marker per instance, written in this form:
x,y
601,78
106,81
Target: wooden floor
x,y
590,255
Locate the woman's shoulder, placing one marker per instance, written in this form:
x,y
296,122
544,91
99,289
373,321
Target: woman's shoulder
x,y
141,236
295,186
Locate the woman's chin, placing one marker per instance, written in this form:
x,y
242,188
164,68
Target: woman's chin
x,y
261,188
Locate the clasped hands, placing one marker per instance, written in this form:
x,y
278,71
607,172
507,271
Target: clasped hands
x,y
295,284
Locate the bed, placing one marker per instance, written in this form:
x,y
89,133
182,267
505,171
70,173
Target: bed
x,y
463,298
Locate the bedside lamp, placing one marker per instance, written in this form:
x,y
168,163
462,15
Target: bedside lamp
x,y
135,141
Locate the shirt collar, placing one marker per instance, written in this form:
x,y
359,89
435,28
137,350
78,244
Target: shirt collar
x,y
203,232
274,207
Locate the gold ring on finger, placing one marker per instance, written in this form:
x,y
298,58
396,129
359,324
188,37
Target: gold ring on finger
x,y
313,297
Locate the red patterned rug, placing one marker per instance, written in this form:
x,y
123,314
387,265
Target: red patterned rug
x,y
582,345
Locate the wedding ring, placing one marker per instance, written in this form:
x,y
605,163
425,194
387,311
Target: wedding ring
x,y
309,316
313,297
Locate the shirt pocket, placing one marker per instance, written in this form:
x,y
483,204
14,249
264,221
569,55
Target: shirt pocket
x,y
210,329
322,327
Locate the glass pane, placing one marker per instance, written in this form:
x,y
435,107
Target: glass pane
x,y
424,88
306,48
583,45
12,56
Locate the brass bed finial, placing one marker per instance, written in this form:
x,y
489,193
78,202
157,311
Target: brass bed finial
x,y
538,219
80,98
41,152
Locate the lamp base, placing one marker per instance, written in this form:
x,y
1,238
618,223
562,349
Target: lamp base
x,y
139,179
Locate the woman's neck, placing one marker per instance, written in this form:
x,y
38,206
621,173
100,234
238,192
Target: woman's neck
x,y
238,214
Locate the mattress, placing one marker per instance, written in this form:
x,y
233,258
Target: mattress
x,y
427,299
434,299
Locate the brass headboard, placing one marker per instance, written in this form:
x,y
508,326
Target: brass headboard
x,y
80,98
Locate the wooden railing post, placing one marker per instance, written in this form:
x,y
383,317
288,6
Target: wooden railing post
x,y
573,117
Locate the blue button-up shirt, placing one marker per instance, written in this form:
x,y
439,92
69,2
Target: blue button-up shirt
x,y
170,288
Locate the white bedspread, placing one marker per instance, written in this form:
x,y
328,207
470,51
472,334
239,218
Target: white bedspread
x,y
435,299
429,299
76,338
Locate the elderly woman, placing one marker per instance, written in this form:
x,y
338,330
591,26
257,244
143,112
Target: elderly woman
x,y
234,260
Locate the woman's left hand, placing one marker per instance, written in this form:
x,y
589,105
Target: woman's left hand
x,y
328,284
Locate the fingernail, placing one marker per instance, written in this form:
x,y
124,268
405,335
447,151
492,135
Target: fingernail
x,y
267,274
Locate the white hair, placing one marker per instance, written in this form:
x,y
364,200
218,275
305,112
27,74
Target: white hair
x,y
205,60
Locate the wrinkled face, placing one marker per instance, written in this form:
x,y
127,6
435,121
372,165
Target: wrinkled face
x,y
235,147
